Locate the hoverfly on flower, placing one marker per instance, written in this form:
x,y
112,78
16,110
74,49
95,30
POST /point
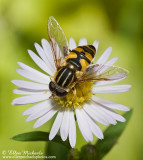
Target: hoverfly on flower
x,y
70,86
75,66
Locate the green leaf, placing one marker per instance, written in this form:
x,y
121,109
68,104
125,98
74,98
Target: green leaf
x,y
39,136
102,147
111,135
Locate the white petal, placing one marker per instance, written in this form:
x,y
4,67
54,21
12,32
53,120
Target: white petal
x,y
102,83
56,125
40,62
83,125
72,130
109,104
49,54
29,91
41,52
33,71
96,44
64,130
34,77
111,89
30,85
113,114
72,44
108,64
30,99
100,110
104,56
42,110
96,115
112,61
82,42
37,107
45,118
94,127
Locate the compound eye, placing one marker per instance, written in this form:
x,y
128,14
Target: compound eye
x,y
52,86
61,92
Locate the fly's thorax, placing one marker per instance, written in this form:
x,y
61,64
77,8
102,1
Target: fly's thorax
x,y
65,76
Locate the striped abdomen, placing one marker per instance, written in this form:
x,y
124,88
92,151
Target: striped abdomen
x,y
64,77
81,56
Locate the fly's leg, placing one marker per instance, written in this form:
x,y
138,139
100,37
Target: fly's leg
x,y
52,96
51,78
74,93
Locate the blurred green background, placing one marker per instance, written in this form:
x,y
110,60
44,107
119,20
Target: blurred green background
x,y
114,23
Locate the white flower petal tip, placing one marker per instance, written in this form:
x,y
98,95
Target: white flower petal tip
x,y
13,81
72,44
50,137
115,59
37,46
63,138
15,91
64,130
12,103
29,51
28,119
108,50
35,126
25,113
129,86
82,42
56,125
72,130
101,136
20,64
83,124
43,40
112,61
121,119
104,56
126,108
96,44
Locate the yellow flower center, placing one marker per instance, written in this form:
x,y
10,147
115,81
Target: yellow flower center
x,y
83,93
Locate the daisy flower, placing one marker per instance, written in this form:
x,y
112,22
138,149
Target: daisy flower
x,y
86,111
85,105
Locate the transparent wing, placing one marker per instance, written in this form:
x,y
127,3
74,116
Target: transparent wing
x,y
100,72
58,41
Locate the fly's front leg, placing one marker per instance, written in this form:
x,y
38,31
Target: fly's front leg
x,y
51,78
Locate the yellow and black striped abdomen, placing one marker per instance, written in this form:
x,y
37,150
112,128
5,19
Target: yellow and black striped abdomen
x,y
81,56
